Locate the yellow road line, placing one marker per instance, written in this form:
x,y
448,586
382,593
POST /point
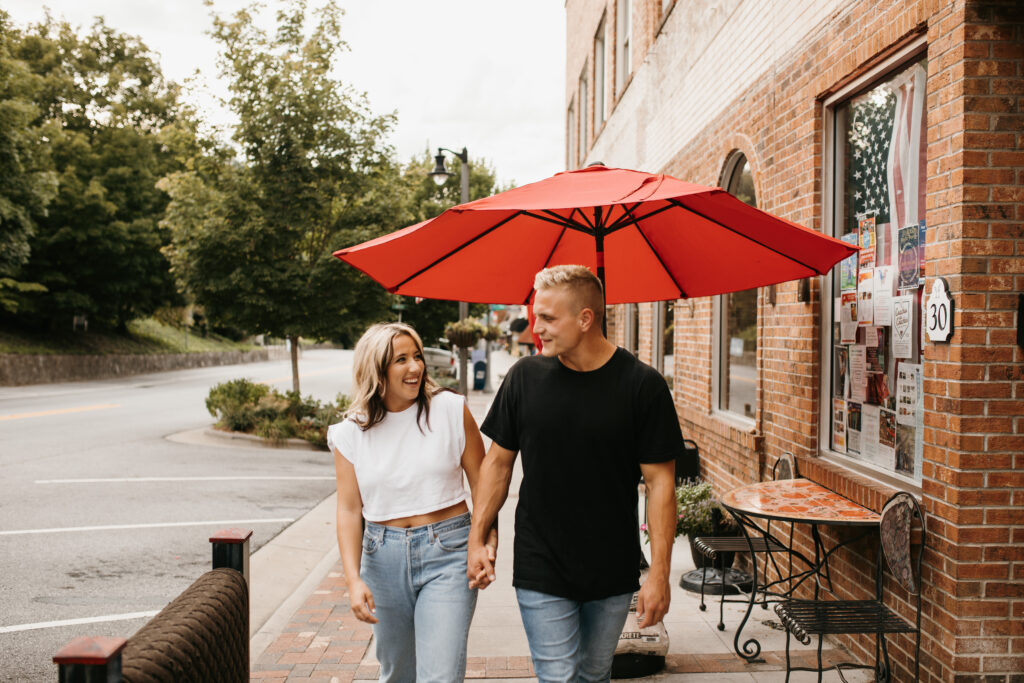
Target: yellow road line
x,y
63,411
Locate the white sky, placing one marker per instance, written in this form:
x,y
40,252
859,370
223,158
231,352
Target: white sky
x,y
487,75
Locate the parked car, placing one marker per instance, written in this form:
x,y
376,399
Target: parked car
x,y
441,361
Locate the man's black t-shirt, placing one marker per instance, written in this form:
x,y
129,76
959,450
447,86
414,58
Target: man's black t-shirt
x,y
582,436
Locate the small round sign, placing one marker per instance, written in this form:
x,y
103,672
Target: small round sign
x,y
938,312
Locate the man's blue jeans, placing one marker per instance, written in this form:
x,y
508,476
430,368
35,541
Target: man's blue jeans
x,y
572,640
424,605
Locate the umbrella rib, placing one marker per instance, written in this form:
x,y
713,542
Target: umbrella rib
x,y
457,249
551,253
682,293
557,220
676,202
621,222
583,216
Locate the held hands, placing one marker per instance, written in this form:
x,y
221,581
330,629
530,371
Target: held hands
x,y
480,564
361,599
652,601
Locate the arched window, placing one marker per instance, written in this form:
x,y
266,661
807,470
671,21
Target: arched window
x,y
735,382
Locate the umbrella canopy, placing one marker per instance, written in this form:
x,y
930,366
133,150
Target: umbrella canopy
x,y
650,237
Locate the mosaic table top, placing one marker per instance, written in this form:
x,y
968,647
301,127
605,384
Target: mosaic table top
x,y
798,500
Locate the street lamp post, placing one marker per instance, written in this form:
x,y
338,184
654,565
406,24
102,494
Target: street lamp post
x,y
440,175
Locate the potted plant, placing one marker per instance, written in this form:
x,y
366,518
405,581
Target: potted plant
x,y
698,513
464,333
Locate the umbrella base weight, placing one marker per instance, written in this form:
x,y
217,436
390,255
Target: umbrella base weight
x,y
734,582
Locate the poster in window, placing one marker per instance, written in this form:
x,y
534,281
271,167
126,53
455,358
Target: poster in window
x,y
921,252
906,438
858,373
841,372
865,306
882,291
848,318
869,446
848,266
910,267
884,246
902,326
839,425
907,400
852,427
866,230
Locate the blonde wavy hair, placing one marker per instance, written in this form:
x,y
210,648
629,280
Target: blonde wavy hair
x,y
373,354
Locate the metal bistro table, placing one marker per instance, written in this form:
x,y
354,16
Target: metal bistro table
x,y
798,501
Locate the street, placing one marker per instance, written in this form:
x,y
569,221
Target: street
x,y
103,518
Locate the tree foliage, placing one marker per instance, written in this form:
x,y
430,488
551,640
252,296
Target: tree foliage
x,y
101,100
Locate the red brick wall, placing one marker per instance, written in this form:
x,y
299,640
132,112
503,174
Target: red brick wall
x,y
973,474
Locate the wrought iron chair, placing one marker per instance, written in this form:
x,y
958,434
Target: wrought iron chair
x,y
804,618
716,548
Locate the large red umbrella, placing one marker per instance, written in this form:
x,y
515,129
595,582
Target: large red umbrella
x,y
650,237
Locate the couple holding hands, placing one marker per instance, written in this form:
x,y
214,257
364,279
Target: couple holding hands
x,y
588,419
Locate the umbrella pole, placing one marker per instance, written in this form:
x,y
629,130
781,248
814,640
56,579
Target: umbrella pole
x,y
599,249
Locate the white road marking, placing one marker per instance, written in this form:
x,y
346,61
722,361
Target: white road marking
x,y
75,622
153,479
107,527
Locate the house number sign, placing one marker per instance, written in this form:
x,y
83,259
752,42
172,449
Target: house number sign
x,y
939,312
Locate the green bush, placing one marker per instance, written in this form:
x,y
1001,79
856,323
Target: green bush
x,y
242,405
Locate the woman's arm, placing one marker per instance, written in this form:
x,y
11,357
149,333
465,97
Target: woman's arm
x,y
350,538
472,458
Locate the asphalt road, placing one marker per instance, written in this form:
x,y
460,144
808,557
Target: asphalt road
x,y
57,566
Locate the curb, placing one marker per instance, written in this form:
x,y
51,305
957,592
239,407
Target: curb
x,y
294,444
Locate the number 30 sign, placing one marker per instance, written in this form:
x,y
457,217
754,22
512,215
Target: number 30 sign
x,y
939,312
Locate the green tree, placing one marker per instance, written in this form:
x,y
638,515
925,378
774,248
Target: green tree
x,y
103,102
252,239
428,200
27,181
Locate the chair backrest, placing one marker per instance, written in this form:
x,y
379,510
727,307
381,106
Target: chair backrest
x,y
784,467
897,520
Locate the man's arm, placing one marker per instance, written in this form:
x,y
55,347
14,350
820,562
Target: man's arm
x,y
653,599
488,497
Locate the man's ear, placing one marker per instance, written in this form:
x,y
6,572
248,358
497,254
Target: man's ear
x,y
586,319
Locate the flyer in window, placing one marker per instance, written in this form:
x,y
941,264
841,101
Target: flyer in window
x,y
884,246
882,294
865,306
902,326
908,376
921,242
852,427
909,240
886,438
906,446
869,426
866,230
848,266
858,373
848,318
839,425
841,373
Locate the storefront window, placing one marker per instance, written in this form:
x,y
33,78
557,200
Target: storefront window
x,y
737,322
878,175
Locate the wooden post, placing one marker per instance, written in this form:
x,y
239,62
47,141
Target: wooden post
x,y
90,660
231,550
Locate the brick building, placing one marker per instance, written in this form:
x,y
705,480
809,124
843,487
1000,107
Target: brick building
x,y
898,122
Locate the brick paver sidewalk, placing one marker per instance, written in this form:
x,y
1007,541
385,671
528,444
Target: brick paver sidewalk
x,y
325,643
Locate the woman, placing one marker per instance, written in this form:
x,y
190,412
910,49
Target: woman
x,y
400,455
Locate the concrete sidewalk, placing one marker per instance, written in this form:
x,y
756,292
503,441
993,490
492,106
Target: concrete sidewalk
x,y
303,629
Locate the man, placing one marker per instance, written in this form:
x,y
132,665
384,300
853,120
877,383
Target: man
x,y
588,418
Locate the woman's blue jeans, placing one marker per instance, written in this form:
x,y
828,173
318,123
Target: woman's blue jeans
x,y
424,604
572,640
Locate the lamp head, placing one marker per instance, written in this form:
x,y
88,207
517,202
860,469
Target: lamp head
x,y
440,173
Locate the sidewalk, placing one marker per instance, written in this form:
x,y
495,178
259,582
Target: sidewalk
x,y
311,635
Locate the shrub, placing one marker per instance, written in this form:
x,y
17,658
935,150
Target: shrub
x,y
244,406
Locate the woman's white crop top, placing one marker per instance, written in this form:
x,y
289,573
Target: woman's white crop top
x,y
402,471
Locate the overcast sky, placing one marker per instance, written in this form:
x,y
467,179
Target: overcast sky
x,y
484,74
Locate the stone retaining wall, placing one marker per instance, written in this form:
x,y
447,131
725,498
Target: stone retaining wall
x,y
21,369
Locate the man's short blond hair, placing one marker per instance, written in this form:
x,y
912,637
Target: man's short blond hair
x,y
584,285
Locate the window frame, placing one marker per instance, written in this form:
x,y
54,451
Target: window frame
x,y
623,34
600,75
879,73
719,341
582,120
